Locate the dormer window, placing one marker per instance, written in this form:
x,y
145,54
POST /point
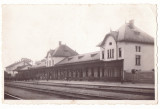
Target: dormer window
x,y
92,55
79,57
65,50
136,32
69,58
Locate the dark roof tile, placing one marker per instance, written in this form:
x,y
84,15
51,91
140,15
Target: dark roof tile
x,y
18,63
81,58
128,34
62,51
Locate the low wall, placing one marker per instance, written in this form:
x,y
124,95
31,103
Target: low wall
x,y
140,77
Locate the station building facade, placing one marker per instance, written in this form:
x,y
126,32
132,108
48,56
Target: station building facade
x,y
122,53
12,69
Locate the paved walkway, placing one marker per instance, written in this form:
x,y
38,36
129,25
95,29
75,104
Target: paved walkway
x,y
118,84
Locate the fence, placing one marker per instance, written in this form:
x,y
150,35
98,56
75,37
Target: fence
x,y
140,77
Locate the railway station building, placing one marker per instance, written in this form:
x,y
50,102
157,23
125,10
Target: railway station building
x,y
123,54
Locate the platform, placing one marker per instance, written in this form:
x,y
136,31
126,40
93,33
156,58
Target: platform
x,y
116,84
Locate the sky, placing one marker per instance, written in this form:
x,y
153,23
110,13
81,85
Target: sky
x,y
29,31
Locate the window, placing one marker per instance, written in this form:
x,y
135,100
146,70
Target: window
x,y
71,74
76,73
102,54
138,49
110,43
120,52
80,73
92,72
108,72
108,53
138,60
102,72
112,53
98,72
86,72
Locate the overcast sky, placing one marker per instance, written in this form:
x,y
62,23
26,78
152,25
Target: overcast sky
x,y
29,31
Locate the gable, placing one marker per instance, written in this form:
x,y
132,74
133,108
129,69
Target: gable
x,y
113,34
49,55
50,52
110,41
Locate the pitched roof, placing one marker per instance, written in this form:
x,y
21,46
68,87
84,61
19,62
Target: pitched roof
x,y
17,63
13,64
81,58
22,67
62,51
127,33
114,34
40,64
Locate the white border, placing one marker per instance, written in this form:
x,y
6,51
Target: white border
x,y
6,106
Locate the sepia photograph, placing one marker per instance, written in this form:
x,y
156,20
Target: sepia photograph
x,y
79,52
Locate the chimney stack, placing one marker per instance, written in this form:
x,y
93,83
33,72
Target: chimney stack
x,y
60,43
131,23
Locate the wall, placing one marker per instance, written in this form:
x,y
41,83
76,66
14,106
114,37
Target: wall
x,y
120,45
129,54
107,47
147,56
10,69
54,60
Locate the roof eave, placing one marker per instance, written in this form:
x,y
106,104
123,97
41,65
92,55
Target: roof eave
x,y
88,61
150,43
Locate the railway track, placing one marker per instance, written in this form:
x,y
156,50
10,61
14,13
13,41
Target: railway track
x,y
70,95
79,95
128,90
11,97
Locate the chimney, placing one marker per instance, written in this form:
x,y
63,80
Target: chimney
x,y
131,24
60,43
